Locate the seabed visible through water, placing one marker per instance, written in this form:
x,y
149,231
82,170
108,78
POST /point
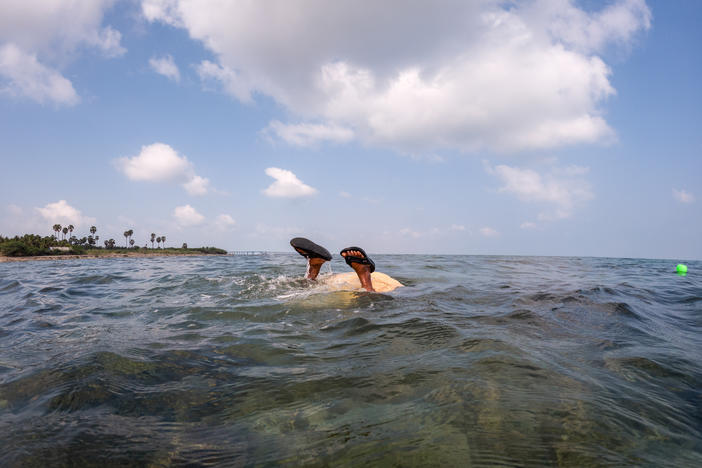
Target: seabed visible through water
x,y
237,360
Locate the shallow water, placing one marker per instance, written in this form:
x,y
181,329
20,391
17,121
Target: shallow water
x,y
236,360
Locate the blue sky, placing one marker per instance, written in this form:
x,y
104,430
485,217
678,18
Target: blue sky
x,y
545,127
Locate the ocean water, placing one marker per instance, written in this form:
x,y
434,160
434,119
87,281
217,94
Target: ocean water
x,y
238,361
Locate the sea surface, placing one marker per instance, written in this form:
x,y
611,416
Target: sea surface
x,y
239,361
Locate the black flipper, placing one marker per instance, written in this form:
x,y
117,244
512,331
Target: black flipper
x,y
362,260
310,249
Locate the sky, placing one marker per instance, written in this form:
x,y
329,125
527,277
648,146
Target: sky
x,y
523,127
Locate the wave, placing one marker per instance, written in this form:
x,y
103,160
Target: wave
x,y
485,361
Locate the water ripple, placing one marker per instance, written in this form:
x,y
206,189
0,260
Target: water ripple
x,y
230,361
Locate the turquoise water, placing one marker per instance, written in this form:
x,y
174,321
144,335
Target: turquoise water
x,y
237,360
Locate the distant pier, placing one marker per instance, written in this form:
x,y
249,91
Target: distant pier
x,y
248,252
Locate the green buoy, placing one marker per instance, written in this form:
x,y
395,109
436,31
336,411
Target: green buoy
x,y
681,269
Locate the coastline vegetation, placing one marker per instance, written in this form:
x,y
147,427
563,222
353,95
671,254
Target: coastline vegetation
x,y
63,242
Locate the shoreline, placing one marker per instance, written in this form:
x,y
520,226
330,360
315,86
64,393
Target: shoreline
x,y
4,259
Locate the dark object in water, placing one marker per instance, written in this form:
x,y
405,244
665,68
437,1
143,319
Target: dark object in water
x,y
310,249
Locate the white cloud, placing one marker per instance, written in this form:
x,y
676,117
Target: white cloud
x,y
156,162
14,209
407,232
163,10
277,232
108,40
24,76
159,162
62,213
165,66
197,185
683,196
589,33
418,77
562,188
431,158
126,221
224,222
187,216
527,225
58,26
287,185
15,220
345,194
570,171
458,227
38,35
489,232
306,134
232,82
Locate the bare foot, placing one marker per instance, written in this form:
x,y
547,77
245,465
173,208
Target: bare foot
x,y
363,271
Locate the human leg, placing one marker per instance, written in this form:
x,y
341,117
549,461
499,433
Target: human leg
x,y
357,259
315,254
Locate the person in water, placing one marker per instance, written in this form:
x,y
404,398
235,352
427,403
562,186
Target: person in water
x,y
316,255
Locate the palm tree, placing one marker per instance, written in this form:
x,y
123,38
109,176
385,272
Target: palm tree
x,y
125,234
153,238
131,233
70,229
57,229
64,231
163,239
131,242
93,230
158,241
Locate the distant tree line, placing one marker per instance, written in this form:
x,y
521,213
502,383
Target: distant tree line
x,y
64,242
91,240
30,245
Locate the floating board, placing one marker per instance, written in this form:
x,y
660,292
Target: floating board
x,y
349,282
